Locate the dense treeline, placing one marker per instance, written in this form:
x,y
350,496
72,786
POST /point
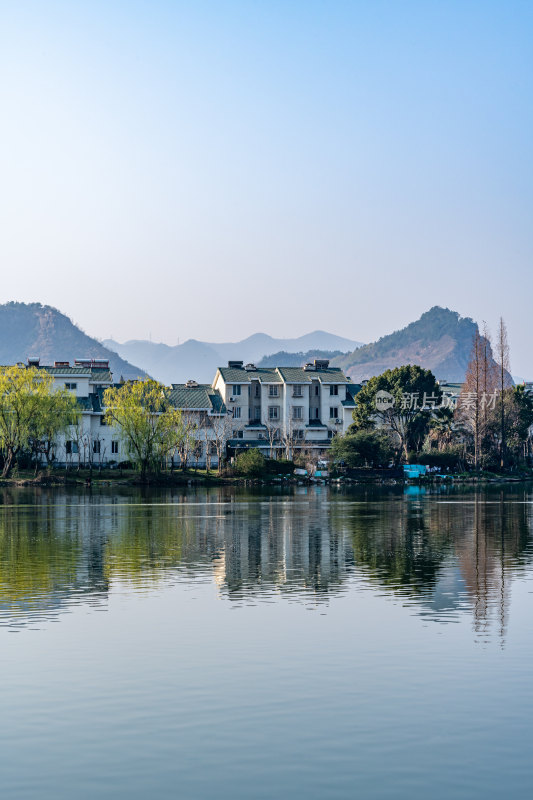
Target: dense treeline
x,y
404,415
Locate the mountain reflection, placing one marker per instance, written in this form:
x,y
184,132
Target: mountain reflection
x,y
442,554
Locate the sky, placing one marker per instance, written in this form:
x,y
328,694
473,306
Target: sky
x,y
175,170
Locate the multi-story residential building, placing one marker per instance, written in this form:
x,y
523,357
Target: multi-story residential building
x,y
281,411
91,441
204,412
285,409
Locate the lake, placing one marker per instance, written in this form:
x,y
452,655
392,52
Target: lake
x,y
313,643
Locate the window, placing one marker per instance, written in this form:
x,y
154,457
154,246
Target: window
x,y
334,390
299,433
257,412
68,448
273,412
272,391
96,446
297,412
71,385
114,447
236,413
297,391
236,389
317,389
102,420
238,434
316,413
333,412
257,390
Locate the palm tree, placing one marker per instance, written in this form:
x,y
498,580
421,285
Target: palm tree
x,y
441,427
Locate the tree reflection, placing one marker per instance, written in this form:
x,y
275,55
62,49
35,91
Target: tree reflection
x,y
441,553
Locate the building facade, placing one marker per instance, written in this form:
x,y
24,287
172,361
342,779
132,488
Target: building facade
x,y
282,411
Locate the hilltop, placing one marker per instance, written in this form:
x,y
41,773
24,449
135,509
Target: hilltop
x,y
32,329
441,340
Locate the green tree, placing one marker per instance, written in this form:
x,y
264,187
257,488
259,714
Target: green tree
x,y
413,392
518,419
26,398
362,447
56,412
251,463
149,426
441,428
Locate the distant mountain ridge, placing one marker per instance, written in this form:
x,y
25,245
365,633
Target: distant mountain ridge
x,y
296,359
32,329
441,340
199,360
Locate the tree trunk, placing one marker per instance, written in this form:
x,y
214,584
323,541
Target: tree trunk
x,y
8,463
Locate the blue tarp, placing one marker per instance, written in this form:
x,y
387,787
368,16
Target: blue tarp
x,y
414,470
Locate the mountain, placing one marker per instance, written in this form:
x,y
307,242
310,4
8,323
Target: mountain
x,y
199,360
296,359
36,330
440,340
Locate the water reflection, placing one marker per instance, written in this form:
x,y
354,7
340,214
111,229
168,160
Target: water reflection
x,y
444,554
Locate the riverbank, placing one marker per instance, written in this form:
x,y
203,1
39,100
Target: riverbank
x,y
189,478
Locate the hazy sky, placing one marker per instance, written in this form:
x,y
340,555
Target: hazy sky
x,y
211,169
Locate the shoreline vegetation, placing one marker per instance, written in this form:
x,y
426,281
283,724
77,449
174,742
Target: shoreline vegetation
x,y
87,478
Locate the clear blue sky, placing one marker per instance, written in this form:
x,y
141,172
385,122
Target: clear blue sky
x,y
211,169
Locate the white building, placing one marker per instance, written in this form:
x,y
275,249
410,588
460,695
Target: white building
x,y
285,410
204,412
282,411
92,442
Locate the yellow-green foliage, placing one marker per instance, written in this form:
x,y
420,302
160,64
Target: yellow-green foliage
x,y
30,410
149,426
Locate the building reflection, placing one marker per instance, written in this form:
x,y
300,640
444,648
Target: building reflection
x,y
442,555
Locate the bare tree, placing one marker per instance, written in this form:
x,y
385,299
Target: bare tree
x,y
292,435
273,434
205,432
469,405
502,350
186,440
223,424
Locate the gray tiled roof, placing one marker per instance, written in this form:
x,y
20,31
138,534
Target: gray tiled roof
x,y
352,389
201,397
95,374
283,374
236,375
301,375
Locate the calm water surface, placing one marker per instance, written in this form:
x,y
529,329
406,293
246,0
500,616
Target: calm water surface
x,y
220,644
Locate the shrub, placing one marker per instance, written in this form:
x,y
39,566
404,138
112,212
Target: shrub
x,y
452,457
362,447
250,464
